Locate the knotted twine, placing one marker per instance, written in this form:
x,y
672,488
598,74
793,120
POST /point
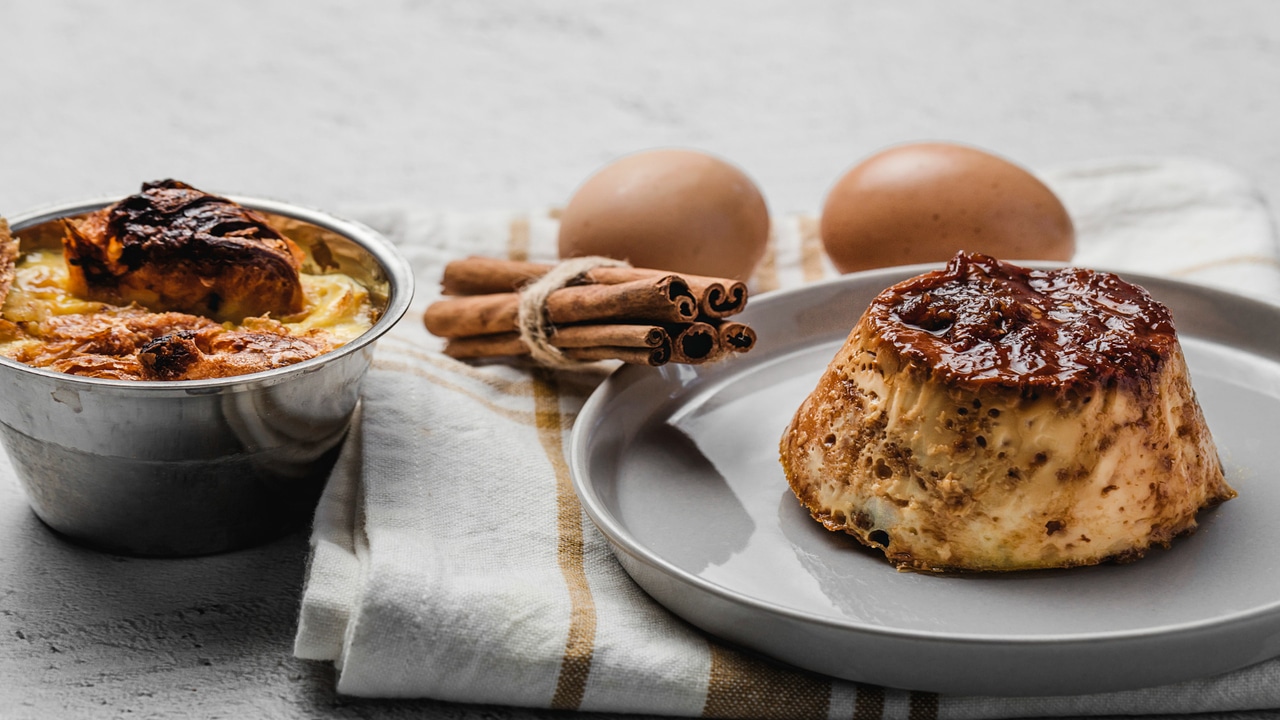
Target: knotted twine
x,y
531,317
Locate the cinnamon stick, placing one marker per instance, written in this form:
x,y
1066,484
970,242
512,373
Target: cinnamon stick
x,y
717,297
660,298
486,276
695,343
620,335
635,356
569,336
646,344
737,337
721,300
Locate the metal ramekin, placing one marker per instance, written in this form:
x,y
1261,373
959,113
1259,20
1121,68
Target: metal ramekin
x,y
201,466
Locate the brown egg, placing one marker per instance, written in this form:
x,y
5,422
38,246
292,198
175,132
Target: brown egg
x,y
922,202
678,210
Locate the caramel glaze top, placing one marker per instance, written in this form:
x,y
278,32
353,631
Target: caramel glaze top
x,y
981,322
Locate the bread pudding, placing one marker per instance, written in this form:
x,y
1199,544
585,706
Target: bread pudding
x,y
172,283
991,417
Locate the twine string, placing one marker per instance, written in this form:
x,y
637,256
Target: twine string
x,y
532,322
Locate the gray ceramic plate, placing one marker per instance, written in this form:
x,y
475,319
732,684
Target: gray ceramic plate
x,y
678,467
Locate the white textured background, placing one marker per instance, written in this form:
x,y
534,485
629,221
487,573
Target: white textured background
x,y
511,104
471,106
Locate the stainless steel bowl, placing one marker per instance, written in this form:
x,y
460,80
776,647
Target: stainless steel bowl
x,y
201,466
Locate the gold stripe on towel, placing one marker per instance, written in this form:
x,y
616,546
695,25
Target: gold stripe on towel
x,y
523,417
869,704
518,239
811,250
766,277
923,706
742,686
575,666
522,387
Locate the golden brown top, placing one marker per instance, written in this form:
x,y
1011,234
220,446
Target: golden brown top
x,y
131,343
984,322
173,247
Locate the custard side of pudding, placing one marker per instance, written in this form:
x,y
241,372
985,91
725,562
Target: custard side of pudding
x,y
991,417
174,284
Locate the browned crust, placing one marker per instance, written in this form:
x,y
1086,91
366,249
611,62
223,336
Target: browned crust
x,y
133,344
217,353
173,247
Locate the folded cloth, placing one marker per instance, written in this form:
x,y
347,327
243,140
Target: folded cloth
x,y
451,558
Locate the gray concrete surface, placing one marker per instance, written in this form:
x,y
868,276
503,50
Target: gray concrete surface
x,y
474,106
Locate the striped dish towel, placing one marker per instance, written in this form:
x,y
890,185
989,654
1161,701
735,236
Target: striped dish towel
x,y
451,559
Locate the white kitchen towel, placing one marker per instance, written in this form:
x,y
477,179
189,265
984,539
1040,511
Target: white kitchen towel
x,y
451,559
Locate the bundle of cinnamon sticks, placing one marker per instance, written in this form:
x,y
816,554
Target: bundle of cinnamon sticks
x,y
635,315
